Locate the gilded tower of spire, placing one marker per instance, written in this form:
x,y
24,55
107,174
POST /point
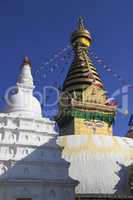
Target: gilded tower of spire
x,y
84,107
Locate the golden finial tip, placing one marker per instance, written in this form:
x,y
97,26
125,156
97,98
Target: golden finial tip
x,y
81,35
26,61
81,23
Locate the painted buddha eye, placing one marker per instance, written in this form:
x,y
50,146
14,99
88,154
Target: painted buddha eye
x,y
88,124
99,124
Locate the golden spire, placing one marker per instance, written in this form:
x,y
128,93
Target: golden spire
x,y
82,72
81,35
26,61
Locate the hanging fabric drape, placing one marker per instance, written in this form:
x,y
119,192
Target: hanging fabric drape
x,y
106,117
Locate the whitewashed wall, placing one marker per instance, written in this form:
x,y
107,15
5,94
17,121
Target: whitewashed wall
x,y
30,161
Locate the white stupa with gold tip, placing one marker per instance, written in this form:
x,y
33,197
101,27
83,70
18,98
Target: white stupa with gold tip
x,y
23,101
31,167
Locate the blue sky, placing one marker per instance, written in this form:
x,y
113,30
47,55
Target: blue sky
x,y
41,28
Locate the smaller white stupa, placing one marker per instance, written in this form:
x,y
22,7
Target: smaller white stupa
x,y
23,101
31,167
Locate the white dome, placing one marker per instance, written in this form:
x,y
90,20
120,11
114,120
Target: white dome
x,y
23,103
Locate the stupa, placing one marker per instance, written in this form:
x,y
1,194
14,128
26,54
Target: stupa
x,y
84,106
100,161
31,167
